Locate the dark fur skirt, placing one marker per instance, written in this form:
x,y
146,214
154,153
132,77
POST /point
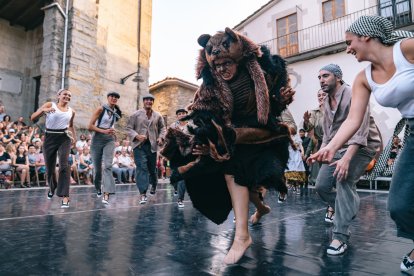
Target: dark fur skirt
x,y
261,165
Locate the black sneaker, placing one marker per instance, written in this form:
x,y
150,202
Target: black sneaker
x,y
407,264
335,251
175,193
152,192
49,195
64,205
99,193
180,204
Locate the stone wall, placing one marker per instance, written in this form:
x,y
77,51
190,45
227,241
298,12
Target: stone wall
x,y
170,97
104,50
19,63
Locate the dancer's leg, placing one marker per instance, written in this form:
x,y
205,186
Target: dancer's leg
x,y
240,201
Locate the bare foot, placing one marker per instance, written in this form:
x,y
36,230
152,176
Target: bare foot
x,y
237,250
255,218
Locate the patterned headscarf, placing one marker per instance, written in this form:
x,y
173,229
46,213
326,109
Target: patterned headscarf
x,y
377,26
334,69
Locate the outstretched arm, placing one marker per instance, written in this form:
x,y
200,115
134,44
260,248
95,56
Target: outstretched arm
x,y
360,98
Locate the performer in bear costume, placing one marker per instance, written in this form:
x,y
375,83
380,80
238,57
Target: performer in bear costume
x,y
237,144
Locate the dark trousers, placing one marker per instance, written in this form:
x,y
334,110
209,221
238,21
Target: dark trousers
x,y
57,144
401,196
145,173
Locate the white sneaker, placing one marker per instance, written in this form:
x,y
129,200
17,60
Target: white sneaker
x,y
143,199
180,204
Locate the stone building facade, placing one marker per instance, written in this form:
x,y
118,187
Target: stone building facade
x,y
106,41
171,94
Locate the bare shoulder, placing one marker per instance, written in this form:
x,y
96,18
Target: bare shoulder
x,y
407,48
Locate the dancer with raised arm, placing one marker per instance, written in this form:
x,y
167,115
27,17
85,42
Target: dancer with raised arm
x,y
390,78
60,135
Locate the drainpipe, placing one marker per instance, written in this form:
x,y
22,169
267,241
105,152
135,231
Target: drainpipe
x,y
139,50
65,38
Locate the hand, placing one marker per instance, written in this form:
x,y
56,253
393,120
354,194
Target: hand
x,y
48,110
160,141
201,150
141,138
324,155
341,170
286,95
306,116
109,131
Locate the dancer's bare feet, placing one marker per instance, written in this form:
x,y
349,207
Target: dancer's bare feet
x,y
255,218
237,250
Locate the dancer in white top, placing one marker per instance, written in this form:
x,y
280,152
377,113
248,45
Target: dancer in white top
x,y
390,77
60,135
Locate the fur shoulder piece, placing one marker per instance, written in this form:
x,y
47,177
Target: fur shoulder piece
x,y
243,51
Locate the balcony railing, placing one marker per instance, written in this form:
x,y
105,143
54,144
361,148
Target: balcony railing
x,y
333,32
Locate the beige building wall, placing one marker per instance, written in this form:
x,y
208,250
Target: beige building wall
x,y
107,43
172,94
20,60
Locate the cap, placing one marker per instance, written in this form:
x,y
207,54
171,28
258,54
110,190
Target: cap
x,y
12,130
181,110
148,96
113,93
36,140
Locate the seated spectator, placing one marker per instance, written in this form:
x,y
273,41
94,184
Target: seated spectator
x,y
81,143
20,122
7,121
395,149
11,137
119,172
11,150
38,144
73,169
127,163
2,113
124,145
85,166
5,162
21,162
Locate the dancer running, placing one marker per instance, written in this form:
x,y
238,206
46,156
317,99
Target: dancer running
x,y
103,144
390,77
241,89
60,134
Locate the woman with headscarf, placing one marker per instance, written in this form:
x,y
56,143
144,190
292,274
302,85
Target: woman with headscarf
x,y
390,78
60,135
103,144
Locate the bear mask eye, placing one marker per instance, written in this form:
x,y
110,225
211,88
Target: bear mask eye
x,y
225,44
208,49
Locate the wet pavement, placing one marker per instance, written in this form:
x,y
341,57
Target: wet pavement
x,y
126,238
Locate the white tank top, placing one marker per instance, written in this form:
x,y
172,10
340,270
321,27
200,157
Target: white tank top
x,y
106,120
58,119
397,92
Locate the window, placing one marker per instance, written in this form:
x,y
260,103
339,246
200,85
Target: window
x,y
287,41
333,9
397,11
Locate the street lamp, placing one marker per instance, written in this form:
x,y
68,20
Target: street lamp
x,y
137,78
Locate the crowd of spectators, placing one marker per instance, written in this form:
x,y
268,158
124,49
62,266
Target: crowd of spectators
x,y
22,162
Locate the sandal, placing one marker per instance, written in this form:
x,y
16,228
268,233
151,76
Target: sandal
x,y
329,216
